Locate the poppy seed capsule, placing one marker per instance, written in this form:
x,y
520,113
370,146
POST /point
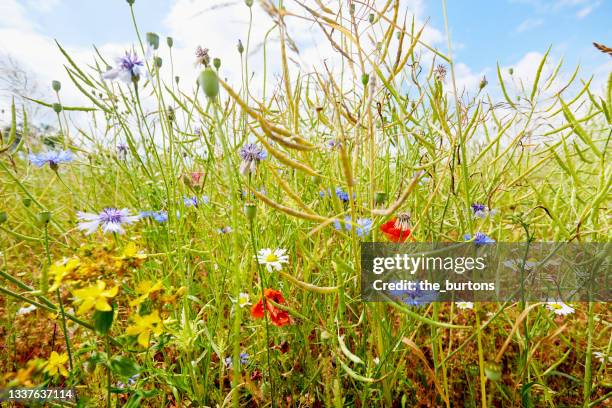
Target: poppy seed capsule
x,y
57,108
3,217
217,63
56,85
158,62
27,201
209,82
249,3
240,47
371,18
169,41
380,197
44,217
250,211
511,71
364,79
153,40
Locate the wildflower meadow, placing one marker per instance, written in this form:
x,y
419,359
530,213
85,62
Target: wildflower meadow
x,y
196,241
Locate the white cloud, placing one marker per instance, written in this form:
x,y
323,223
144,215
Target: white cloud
x,y
585,11
529,24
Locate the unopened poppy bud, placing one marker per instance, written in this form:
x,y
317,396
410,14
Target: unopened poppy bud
x,y
209,83
169,41
44,217
364,79
217,63
380,197
27,201
371,18
240,47
153,40
249,3
250,210
158,62
3,217
56,85
57,108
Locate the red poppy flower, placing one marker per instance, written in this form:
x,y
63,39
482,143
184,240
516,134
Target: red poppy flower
x,y
277,316
394,232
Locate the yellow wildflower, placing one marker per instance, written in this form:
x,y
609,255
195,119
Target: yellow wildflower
x,y
60,270
95,296
144,326
55,364
145,288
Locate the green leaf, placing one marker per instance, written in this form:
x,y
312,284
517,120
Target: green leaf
x,y
124,366
102,321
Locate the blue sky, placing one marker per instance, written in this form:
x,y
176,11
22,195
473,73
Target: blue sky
x,y
513,32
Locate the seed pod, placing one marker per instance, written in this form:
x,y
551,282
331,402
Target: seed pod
x,y
56,85
217,63
57,108
169,41
371,18
511,71
209,82
27,201
380,197
240,47
176,79
249,3
250,210
158,62
153,40
3,217
130,2
44,217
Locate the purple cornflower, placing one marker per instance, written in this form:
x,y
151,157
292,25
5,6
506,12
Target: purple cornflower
x,y
53,158
122,150
244,359
129,68
479,238
481,211
109,219
194,201
251,154
160,216
417,297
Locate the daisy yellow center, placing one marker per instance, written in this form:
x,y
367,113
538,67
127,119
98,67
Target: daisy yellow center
x,y
557,306
271,257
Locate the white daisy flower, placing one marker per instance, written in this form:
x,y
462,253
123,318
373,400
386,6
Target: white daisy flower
x,y
273,258
464,305
559,307
25,310
602,357
243,299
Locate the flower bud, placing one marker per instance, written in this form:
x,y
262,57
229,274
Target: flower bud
x,y
153,40
209,83
364,79
56,85
249,3
483,82
3,217
158,62
44,217
27,201
57,108
380,197
240,47
169,41
250,209
511,71
176,79
130,2
371,18
217,63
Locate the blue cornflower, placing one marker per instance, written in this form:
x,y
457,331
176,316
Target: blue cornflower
x,y
129,68
225,230
479,238
53,158
342,195
363,227
160,216
110,219
244,359
194,201
417,297
481,211
251,154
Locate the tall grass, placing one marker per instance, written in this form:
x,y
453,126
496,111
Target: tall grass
x,y
404,140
